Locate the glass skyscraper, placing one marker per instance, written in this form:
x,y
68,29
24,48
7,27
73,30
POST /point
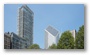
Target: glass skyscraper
x,y
25,24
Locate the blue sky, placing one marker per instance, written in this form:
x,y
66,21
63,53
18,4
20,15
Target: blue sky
x,y
60,16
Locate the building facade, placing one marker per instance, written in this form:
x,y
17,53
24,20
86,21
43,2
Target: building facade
x,y
13,41
17,42
7,41
25,24
51,36
73,32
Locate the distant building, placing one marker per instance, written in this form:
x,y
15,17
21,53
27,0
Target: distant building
x,y
73,32
25,24
7,41
51,36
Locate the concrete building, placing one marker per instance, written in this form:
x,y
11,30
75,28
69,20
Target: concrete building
x,y
73,32
51,36
7,41
25,24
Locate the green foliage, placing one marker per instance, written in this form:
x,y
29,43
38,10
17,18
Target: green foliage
x,y
66,41
80,38
53,46
34,46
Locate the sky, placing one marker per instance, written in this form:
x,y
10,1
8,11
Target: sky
x,y
62,17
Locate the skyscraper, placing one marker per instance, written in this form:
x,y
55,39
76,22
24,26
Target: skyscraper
x,y
25,24
51,36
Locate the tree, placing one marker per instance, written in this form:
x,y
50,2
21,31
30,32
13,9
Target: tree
x,y
80,38
34,46
53,46
66,41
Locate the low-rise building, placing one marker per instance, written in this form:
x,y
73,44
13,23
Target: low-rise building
x,y
7,41
13,41
17,42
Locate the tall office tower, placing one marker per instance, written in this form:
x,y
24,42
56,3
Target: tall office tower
x,y
73,32
51,36
25,24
